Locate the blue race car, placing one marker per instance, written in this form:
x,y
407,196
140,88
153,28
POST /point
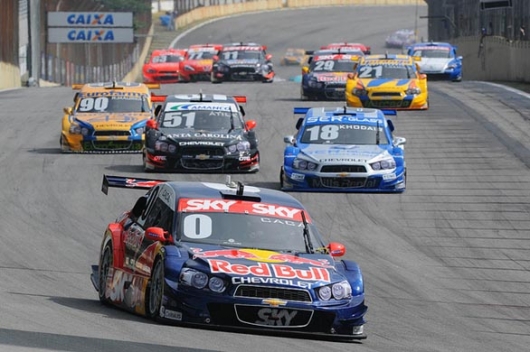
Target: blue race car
x,y
438,60
344,150
227,255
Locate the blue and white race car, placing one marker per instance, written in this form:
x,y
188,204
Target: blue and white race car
x,y
438,60
344,150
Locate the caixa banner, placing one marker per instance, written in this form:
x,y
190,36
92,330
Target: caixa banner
x,y
90,35
90,27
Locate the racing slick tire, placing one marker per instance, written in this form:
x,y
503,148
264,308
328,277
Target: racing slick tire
x,y
105,264
281,177
155,290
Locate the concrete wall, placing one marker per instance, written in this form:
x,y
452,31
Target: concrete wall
x,y
9,76
495,60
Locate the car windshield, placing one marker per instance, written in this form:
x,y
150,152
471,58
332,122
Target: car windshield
x,y
200,55
167,58
245,231
294,52
113,103
388,71
348,134
331,66
203,120
444,53
242,55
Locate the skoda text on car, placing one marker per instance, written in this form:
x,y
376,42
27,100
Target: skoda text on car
x,y
163,66
198,63
439,61
242,62
107,117
324,77
225,255
201,133
343,150
387,82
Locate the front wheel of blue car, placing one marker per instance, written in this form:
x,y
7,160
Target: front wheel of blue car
x,y
155,290
105,265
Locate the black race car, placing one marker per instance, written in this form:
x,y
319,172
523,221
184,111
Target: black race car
x,y
201,133
242,62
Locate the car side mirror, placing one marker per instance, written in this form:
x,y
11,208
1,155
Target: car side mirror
x,y
336,249
268,57
250,124
151,124
423,76
215,58
157,234
400,141
289,139
459,57
305,70
351,75
68,110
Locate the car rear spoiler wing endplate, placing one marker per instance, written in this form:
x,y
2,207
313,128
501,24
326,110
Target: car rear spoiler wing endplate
x,y
128,182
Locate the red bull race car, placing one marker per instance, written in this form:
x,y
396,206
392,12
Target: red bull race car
x,y
226,255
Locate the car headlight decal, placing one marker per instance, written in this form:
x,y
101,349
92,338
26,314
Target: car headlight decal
x,y
302,164
385,164
194,278
217,285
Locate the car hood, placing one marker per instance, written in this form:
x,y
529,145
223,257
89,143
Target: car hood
x,y
173,66
340,77
344,153
434,63
195,137
242,62
265,266
386,83
112,120
198,63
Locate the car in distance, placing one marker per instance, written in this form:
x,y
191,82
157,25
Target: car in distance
x,y
355,46
242,62
201,133
387,82
438,60
227,256
197,66
344,150
401,39
324,76
293,56
107,117
163,66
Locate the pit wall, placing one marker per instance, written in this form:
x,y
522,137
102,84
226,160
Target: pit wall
x,y
9,76
494,59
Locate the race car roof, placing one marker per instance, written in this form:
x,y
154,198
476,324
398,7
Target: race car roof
x,y
318,115
433,44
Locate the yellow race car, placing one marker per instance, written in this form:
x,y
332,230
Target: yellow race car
x,y
387,82
293,56
107,117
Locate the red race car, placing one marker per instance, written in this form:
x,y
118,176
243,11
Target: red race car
x,y
198,63
364,48
163,66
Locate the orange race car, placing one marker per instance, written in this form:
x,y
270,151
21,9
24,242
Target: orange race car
x,y
163,66
198,63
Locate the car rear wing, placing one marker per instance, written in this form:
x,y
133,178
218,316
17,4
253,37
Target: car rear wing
x,y
127,182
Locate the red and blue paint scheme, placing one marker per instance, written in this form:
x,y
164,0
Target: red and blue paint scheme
x,y
265,267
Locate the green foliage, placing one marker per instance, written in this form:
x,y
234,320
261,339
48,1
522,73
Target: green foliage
x,y
136,6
